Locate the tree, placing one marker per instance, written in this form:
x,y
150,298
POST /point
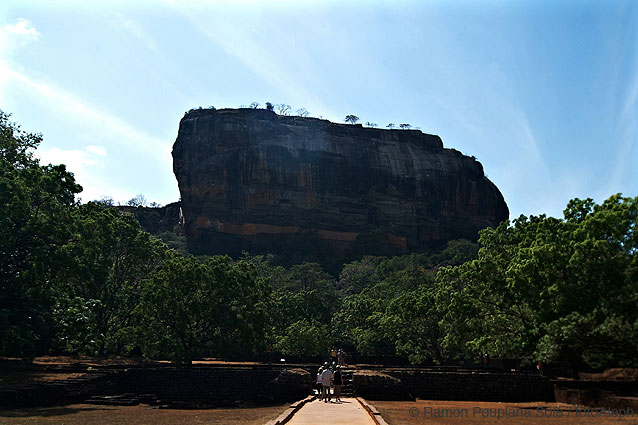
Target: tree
x,y
405,126
358,275
107,201
270,106
549,289
305,290
138,200
371,124
108,257
390,126
304,338
411,321
189,308
254,105
36,203
303,112
283,109
352,119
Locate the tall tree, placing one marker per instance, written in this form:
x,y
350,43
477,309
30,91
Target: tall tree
x,y
35,220
109,256
191,309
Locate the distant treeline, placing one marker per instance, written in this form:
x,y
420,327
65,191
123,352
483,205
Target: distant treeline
x,y
86,279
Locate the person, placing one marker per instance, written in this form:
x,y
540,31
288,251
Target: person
x,y
486,361
341,357
326,383
338,383
318,385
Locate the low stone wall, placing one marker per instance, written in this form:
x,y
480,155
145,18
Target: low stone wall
x,y
64,391
221,386
466,385
201,386
602,394
375,385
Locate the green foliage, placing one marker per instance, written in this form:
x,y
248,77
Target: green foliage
x,y
190,309
174,241
549,289
367,321
303,294
412,321
35,206
108,257
304,338
76,321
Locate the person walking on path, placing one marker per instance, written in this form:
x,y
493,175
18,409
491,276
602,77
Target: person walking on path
x,y
326,383
318,385
338,383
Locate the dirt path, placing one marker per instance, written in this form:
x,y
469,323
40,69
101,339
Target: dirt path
x,y
435,412
77,414
347,412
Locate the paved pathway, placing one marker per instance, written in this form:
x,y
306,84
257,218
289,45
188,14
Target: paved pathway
x,y
349,412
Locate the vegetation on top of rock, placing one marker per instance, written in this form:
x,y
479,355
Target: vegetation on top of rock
x,y
352,119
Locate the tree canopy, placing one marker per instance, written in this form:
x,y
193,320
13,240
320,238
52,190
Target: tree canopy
x,y
352,119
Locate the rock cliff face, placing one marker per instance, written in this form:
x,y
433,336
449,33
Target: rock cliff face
x,y
309,189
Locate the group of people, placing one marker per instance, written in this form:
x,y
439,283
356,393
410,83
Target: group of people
x,y
329,377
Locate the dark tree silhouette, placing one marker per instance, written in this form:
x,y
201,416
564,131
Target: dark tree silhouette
x,y
352,119
391,125
283,109
303,112
270,106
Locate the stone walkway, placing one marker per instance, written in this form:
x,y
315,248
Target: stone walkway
x,y
349,412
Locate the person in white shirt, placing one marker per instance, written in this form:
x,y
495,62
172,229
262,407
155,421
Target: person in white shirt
x,y
318,385
326,383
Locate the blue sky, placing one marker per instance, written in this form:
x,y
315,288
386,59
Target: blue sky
x,y
543,93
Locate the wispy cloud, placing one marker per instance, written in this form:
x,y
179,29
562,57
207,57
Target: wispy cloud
x,y
627,133
260,53
85,115
96,150
135,29
16,35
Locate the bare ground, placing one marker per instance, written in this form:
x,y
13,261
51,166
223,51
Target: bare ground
x,y
76,414
435,412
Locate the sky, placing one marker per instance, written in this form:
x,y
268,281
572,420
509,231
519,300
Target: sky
x,y
543,93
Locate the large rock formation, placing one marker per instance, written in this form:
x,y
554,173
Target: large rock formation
x,y
309,189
